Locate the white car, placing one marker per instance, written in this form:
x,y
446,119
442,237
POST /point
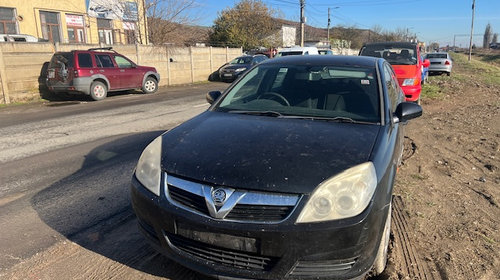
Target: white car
x,y
17,38
298,51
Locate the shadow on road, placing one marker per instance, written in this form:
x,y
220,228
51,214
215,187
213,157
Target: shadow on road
x,y
91,207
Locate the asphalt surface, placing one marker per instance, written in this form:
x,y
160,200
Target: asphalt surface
x,y
65,170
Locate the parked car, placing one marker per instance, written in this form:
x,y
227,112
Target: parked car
x,y
425,72
288,175
441,62
17,38
298,51
406,61
236,67
97,71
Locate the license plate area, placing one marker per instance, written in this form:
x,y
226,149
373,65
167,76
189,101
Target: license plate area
x,y
51,74
227,241
228,75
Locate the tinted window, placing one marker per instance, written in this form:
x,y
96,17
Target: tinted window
x,y
395,55
84,60
241,60
58,58
392,88
307,91
104,60
122,62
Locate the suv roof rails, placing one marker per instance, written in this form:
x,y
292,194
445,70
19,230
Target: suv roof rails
x,y
102,49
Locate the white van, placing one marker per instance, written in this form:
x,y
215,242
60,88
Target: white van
x,y
298,51
17,38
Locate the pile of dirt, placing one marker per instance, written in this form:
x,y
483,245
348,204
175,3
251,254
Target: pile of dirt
x,y
451,183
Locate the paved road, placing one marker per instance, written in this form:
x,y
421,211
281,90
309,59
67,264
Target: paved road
x,y
64,185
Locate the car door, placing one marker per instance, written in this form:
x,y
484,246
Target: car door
x,y
396,96
130,76
107,68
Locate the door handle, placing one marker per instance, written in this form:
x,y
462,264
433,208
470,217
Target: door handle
x,y
121,70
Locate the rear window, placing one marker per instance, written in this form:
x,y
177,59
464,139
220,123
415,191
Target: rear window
x,y
395,55
290,53
65,58
436,55
84,60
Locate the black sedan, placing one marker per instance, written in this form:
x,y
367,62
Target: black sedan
x,y
238,66
288,175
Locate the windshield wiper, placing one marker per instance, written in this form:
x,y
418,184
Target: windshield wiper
x,y
327,119
258,113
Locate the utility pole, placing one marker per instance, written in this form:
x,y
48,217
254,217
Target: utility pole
x,y
302,21
328,28
472,28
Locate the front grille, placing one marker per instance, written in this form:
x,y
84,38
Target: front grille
x,y
221,256
322,268
240,205
188,199
259,213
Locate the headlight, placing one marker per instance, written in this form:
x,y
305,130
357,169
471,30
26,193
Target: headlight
x,y
342,196
410,82
148,170
240,69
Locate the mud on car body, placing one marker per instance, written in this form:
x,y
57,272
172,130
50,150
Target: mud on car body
x,y
97,71
288,175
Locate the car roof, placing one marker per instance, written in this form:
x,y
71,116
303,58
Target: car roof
x,y
298,49
392,44
338,60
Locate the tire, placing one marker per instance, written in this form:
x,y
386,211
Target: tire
x,y
150,85
448,74
381,259
98,91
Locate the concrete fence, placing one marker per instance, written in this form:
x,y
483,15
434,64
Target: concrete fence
x,y
23,65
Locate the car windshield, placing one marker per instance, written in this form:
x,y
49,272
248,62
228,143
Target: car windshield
x,y
321,92
436,55
393,55
241,60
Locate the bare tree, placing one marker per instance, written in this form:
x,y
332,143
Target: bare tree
x,y
487,36
165,16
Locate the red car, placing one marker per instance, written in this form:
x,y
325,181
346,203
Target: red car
x,y
97,71
405,60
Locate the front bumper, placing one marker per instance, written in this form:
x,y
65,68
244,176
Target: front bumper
x,y
343,249
412,93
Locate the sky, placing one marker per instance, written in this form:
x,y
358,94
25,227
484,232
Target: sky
x,y
431,20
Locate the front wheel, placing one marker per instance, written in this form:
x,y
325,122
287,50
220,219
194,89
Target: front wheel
x,y
150,85
382,252
98,91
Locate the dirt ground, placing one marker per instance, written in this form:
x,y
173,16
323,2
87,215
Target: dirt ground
x,y
450,181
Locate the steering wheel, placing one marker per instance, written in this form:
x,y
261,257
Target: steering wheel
x,y
270,95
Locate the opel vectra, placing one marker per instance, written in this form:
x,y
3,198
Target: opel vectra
x,y
288,175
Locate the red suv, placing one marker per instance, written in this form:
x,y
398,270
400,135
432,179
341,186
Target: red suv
x,y
97,71
405,60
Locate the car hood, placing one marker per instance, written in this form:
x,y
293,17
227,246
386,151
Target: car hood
x,y
405,71
264,153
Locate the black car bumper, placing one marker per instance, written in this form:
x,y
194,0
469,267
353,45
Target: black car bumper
x,y
343,249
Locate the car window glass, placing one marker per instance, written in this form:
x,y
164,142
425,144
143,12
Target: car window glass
x,y
84,60
65,58
122,62
104,61
394,55
391,87
308,90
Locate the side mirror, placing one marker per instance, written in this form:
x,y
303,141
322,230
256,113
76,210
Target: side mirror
x,y
407,111
426,63
212,96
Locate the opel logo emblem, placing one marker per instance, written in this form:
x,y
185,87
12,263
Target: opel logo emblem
x,y
219,196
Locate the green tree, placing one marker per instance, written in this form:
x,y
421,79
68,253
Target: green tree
x,y
249,24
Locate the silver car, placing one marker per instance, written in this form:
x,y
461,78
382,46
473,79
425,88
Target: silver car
x,y
440,62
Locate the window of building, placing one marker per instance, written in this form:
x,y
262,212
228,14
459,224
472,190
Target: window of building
x,y
105,30
76,28
50,26
8,23
129,32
